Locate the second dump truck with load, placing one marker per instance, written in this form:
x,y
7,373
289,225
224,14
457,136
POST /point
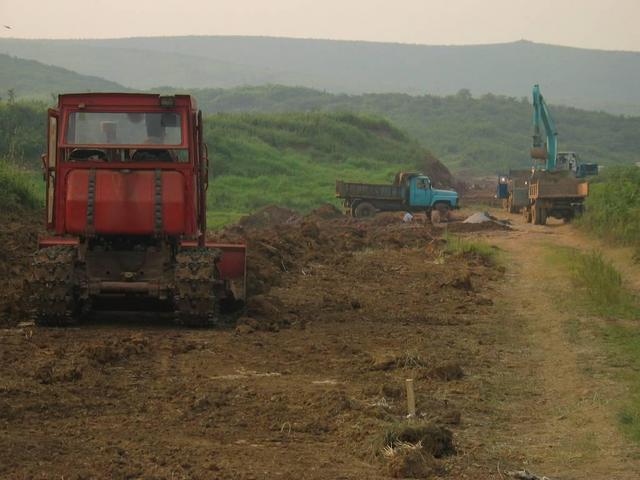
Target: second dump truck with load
x,y
555,194
410,192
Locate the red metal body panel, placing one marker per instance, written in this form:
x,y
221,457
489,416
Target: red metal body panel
x,y
188,222
125,202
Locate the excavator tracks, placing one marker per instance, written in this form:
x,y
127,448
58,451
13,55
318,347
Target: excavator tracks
x,y
52,286
196,287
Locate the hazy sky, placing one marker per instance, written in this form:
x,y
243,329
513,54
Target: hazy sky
x,y
606,24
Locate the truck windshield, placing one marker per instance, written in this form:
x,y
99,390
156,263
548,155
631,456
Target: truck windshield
x,y
102,128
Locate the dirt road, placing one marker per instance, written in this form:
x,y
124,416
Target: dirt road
x,y
559,395
312,383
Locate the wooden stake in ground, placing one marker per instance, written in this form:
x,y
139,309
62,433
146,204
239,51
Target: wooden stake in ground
x,y
411,399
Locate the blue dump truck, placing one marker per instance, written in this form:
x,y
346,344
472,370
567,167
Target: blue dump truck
x,y
410,192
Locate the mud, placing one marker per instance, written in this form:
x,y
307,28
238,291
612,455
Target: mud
x,y
18,240
307,384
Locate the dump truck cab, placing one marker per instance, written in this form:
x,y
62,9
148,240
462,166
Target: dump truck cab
x,y
409,191
420,193
127,176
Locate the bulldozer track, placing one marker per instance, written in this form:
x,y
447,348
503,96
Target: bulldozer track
x,y
196,287
52,286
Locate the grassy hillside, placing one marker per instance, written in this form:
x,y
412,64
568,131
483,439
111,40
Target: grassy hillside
x,y
475,135
471,135
293,160
590,79
613,206
28,78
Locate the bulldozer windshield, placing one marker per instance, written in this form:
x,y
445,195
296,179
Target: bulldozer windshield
x,y
120,128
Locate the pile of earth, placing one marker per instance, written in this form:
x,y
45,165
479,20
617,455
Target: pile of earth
x,y
18,240
323,236
269,216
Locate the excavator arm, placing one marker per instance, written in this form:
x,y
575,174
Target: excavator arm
x,y
547,149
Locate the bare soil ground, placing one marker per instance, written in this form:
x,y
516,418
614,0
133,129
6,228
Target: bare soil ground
x,y
308,383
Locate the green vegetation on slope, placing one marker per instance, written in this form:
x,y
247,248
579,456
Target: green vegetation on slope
x,y
293,160
476,135
18,188
483,135
27,78
289,159
22,131
613,206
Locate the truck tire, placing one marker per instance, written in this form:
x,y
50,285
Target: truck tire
x,y
441,213
364,210
543,216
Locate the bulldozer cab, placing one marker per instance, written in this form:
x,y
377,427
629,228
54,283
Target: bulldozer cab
x,y
127,176
139,155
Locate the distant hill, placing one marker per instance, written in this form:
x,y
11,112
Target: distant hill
x,y
591,79
469,134
28,78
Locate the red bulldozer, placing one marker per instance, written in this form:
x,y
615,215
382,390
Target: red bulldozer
x,y
126,177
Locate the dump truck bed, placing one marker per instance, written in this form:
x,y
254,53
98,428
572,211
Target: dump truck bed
x,y
368,190
558,186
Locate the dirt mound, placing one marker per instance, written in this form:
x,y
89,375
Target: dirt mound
x,y
18,240
294,248
269,216
440,175
325,212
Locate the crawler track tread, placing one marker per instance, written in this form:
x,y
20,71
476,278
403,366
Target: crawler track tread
x,y
52,286
196,287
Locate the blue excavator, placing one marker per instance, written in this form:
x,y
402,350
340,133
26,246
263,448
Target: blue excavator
x,y
555,185
547,151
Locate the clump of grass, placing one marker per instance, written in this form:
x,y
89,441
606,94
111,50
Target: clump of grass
x,y
461,246
601,285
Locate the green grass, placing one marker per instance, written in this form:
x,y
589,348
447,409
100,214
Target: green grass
x,y
598,285
600,291
613,206
19,188
217,220
293,160
457,245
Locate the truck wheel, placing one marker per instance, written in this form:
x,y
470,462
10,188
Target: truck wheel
x,y
443,212
535,215
542,217
365,210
